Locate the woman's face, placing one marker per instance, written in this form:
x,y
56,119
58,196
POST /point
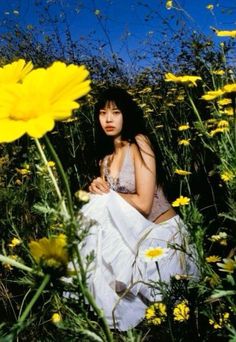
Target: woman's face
x,y
111,119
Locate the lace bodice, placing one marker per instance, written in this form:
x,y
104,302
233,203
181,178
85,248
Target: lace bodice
x,y
125,183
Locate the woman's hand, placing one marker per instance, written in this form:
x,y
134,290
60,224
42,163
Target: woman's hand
x,y
99,186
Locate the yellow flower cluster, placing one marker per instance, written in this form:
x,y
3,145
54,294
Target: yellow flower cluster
x,y
182,172
183,127
181,201
184,142
224,102
213,94
218,72
56,318
227,33
227,176
23,172
51,252
228,266
32,100
221,238
14,242
213,258
181,311
222,321
156,313
218,130
186,79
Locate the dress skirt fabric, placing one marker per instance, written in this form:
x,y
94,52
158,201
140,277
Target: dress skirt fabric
x,y
118,238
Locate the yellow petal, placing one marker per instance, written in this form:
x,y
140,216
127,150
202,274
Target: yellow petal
x,y
14,72
11,130
37,127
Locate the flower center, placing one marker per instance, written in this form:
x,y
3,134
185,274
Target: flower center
x,y
154,252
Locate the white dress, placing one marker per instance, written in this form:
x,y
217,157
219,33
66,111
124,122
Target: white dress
x,y
118,238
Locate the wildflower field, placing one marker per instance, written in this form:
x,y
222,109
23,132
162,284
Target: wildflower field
x,y
47,160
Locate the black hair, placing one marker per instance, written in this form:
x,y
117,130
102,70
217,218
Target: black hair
x,y
133,122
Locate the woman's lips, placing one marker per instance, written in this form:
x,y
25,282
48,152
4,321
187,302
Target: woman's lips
x,y
109,128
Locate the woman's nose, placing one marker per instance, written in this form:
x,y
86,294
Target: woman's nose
x,y
109,117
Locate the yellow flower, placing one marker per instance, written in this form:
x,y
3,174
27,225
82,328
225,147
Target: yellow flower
x,y
184,142
218,72
213,258
23,172
150,312
14,72
227,176
82,195
14,242
224,102
229,265
51,163
181,201
56,318
180,98
156,313
169,4
169,77
228,111
210,7
145,90
181,311
215,324
219,237
182,172
183,127
212,120
230,88
223,123
218,130
222,320
155,253
51,251
221,33
156,321
212,94
44,96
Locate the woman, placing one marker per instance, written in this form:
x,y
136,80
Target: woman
x,y
131,215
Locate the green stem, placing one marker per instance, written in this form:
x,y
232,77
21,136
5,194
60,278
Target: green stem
x,y
34,299
62,174
234,111
195,110
54,181
158,270
12,262
99,313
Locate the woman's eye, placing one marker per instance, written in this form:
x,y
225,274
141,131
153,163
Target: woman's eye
x,y
116,112
102,113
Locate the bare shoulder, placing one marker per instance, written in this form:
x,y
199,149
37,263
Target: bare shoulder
x,y
144,144
142,149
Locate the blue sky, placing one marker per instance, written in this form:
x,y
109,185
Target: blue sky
x,y
129,24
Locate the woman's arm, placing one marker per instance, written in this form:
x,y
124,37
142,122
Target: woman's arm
x,y
145,175
99,185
